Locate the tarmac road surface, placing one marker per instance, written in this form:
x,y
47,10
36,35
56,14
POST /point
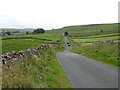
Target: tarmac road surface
x,y
83,72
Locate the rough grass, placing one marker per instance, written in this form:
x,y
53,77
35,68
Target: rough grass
x,y
96,39
116,40
105,53
0,65
61,46
41,72
20,44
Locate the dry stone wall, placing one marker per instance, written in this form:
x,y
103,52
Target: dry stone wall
x,y
106,42
12,56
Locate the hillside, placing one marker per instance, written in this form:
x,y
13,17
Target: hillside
x,y
27,65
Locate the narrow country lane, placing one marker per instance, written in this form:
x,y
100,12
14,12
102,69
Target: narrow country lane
x,y
84,72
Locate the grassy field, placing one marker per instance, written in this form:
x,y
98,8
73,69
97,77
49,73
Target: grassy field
x,y
23,44
98,36
41,72
20,44
86,30
84,44
50,36
96,39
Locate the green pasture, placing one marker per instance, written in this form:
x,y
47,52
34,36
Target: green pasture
x,y
83,30
50,36
91,28
85,44
20,44
96,39
23,44
94,36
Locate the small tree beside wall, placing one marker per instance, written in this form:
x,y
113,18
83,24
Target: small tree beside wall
x,y
66,34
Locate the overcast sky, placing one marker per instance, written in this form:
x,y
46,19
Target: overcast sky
x,y
50,14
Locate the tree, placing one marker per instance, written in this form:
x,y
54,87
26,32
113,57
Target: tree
x,y
39,30
66,34
8,33
27,32
101,30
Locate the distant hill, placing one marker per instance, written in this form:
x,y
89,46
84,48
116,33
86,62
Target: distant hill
x,y
91,27
14,29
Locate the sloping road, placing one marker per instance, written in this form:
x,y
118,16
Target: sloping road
x,y
84,72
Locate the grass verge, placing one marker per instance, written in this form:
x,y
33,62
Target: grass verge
x,y
61,46
105,53
44,71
